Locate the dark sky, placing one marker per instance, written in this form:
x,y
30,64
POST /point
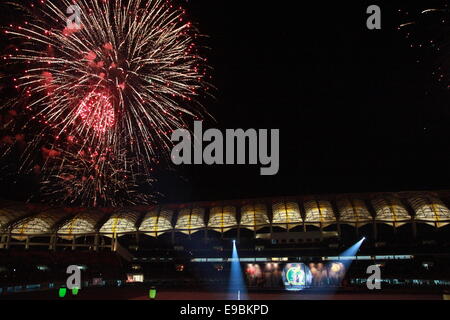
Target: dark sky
x,y
356,112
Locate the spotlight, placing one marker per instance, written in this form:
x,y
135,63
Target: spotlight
x,y
236,283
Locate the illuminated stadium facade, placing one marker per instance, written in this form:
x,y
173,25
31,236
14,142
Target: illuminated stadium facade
x,y
283,243
37,225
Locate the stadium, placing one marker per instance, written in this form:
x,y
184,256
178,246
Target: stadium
x,y
189,247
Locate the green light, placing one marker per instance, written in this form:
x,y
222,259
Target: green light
x,y
152,293
62,292
75,291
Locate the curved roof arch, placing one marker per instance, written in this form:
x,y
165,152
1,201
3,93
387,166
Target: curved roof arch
x,y
222,219
42,223
11,214
286,215
120,222
353,212
157,222
190,220
430,210
254,216
83,223
319,212
390,210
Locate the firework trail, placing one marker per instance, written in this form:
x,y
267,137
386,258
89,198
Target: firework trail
x,y
112,87
427,31
94,179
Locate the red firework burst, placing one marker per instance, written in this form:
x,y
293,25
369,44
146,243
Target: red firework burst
x,y
96,111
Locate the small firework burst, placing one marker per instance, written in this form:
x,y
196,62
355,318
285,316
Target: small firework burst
x,y
427,32
97,112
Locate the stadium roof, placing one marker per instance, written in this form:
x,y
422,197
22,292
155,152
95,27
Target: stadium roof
x,y
353,212
157,221
83,223
42,223
190,220
286,214
395,209
254,216
222,219
390,210
121,222
319,212
11,211
430,210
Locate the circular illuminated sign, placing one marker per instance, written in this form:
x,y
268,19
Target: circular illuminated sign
x,y
296,276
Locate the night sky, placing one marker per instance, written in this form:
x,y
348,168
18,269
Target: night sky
x,y
355,109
